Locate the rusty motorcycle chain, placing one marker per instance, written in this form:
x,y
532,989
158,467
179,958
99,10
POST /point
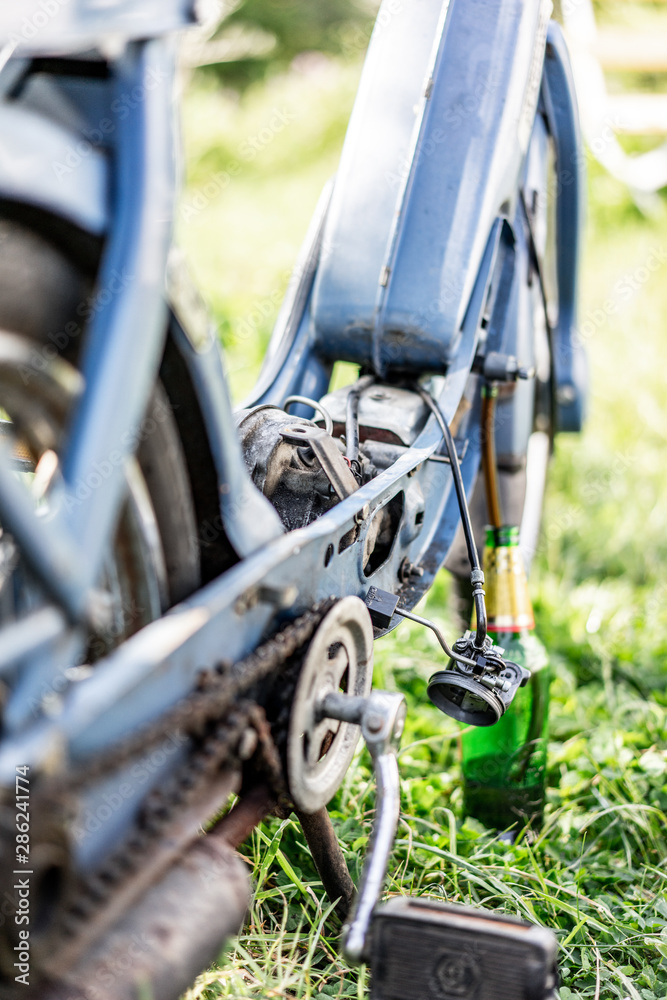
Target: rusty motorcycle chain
x,y
217,718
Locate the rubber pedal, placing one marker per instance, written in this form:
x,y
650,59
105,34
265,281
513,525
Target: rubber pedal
x,y
424,949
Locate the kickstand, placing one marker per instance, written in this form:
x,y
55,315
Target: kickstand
x,y
328,857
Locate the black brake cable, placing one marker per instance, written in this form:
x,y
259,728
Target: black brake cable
x,y
477,574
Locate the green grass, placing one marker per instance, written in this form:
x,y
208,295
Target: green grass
x,y
596,872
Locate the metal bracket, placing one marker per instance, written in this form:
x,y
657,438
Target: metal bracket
x,y
327,454
381,717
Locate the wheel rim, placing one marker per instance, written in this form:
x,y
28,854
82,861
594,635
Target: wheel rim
x,y
339,658
37,396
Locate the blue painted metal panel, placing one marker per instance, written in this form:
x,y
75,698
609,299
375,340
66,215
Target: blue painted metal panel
x,y
374,166
398,300
249,518
571,368
67,26
40,166
124,341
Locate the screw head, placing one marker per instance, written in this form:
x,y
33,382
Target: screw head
x,y
374,723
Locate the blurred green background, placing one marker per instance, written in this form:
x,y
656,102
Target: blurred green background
x,y
263,133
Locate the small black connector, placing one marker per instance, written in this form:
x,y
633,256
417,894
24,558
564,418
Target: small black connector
x,y
382,606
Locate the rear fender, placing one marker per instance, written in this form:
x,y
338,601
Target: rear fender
x,y
569,356
51,168
432,156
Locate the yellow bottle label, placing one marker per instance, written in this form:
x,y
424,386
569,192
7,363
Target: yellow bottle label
x,y
508,606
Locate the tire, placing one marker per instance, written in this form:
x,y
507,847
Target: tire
x,y
153,556
43,297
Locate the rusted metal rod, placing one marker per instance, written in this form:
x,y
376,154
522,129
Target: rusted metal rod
x,y
242,819
489,462
328,857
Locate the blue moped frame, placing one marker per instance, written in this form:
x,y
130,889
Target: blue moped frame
x,y
435,274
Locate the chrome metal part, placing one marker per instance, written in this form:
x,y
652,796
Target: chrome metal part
x,y
314,405
339,658
382,717
476,691
451,653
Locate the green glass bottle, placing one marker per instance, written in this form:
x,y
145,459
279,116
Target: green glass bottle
x,y
504,766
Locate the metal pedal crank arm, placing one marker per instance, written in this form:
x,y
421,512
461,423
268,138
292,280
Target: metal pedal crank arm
x,y
381,717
